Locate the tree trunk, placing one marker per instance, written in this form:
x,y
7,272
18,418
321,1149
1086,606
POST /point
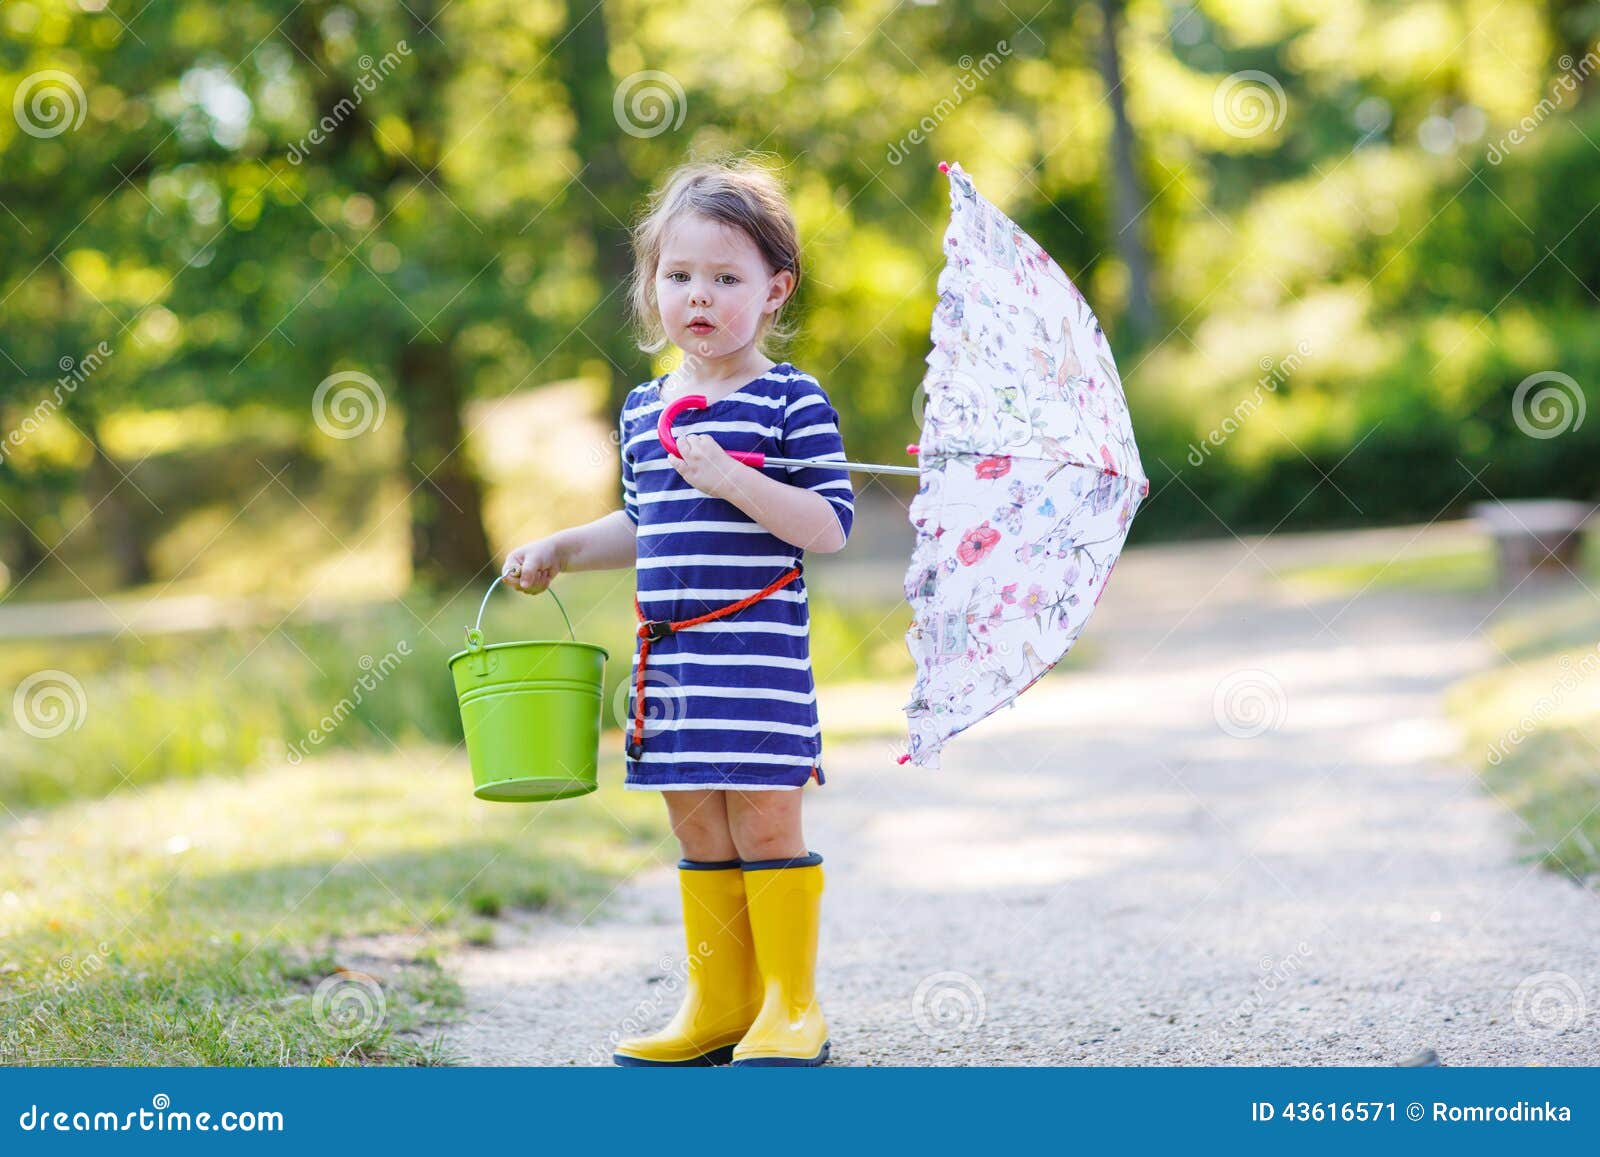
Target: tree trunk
x,y
448,546
602,206
119,523
24,552
1127,191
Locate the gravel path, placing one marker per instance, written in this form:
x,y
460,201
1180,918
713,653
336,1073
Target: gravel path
x,y
1106,875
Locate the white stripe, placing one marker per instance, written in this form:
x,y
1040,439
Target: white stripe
x,y
803,698
725,788
748,399
644,469
754,560
716,628
727,426
669,495
726,661
801,729
732,757
812,431
718,526
802,402
786,378
704,650
729,595
739,394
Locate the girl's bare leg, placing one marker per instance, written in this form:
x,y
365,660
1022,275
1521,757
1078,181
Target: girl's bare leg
x,y
700,821
766,824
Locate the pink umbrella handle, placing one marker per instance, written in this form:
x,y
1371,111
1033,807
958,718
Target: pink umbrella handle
x,y
697,402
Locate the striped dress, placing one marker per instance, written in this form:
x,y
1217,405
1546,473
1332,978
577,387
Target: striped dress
x,y
729,703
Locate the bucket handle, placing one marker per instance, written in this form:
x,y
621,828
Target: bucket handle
x,y
475,632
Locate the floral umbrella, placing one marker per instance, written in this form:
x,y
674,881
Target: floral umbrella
x,y
1029,475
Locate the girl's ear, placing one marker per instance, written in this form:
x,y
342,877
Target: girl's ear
x,y
778,291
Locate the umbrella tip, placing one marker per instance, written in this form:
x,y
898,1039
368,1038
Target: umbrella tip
x,y
944,166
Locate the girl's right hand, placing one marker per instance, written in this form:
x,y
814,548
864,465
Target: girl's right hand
x,y
533,566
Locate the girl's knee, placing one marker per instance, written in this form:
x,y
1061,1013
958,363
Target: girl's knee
x,y
766,833
700,822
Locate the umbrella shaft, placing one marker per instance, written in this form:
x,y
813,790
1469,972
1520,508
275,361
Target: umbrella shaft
x,y
868,466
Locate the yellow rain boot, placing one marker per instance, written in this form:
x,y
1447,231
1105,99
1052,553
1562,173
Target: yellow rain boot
x,y
723,989
785,899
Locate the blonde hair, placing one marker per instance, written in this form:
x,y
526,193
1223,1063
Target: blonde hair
x,y
741,193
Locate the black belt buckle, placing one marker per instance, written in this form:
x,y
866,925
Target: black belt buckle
x,y
656,629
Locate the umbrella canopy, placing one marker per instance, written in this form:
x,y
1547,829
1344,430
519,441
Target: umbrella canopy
x,y
1029,475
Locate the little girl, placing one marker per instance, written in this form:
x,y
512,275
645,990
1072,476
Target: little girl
x,y
722,708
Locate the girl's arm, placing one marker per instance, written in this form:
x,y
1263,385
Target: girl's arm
x,y
800,517
607,543
604,544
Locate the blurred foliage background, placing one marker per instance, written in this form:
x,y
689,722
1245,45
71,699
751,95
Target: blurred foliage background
x,y
311,310
1327,243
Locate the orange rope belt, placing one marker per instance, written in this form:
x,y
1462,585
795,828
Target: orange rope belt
x,y
653,630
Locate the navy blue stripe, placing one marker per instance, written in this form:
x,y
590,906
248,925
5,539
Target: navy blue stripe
x,y
810,859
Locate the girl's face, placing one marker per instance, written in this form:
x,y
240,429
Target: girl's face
x,y
713,287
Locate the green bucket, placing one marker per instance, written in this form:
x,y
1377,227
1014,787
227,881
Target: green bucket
x,y
531,712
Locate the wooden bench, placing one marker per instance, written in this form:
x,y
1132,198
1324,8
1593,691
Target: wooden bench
x,y
1533,534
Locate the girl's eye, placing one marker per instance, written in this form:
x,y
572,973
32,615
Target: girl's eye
x,y
732,280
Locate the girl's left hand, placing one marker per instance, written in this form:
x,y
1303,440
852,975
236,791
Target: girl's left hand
x,y
705,465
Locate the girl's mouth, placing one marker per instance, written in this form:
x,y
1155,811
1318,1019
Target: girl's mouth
x,y
701,328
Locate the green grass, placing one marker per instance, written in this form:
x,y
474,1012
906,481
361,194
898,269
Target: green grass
x,y
194,923
1532,728
1465,570
235,846
1459,570
138,711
